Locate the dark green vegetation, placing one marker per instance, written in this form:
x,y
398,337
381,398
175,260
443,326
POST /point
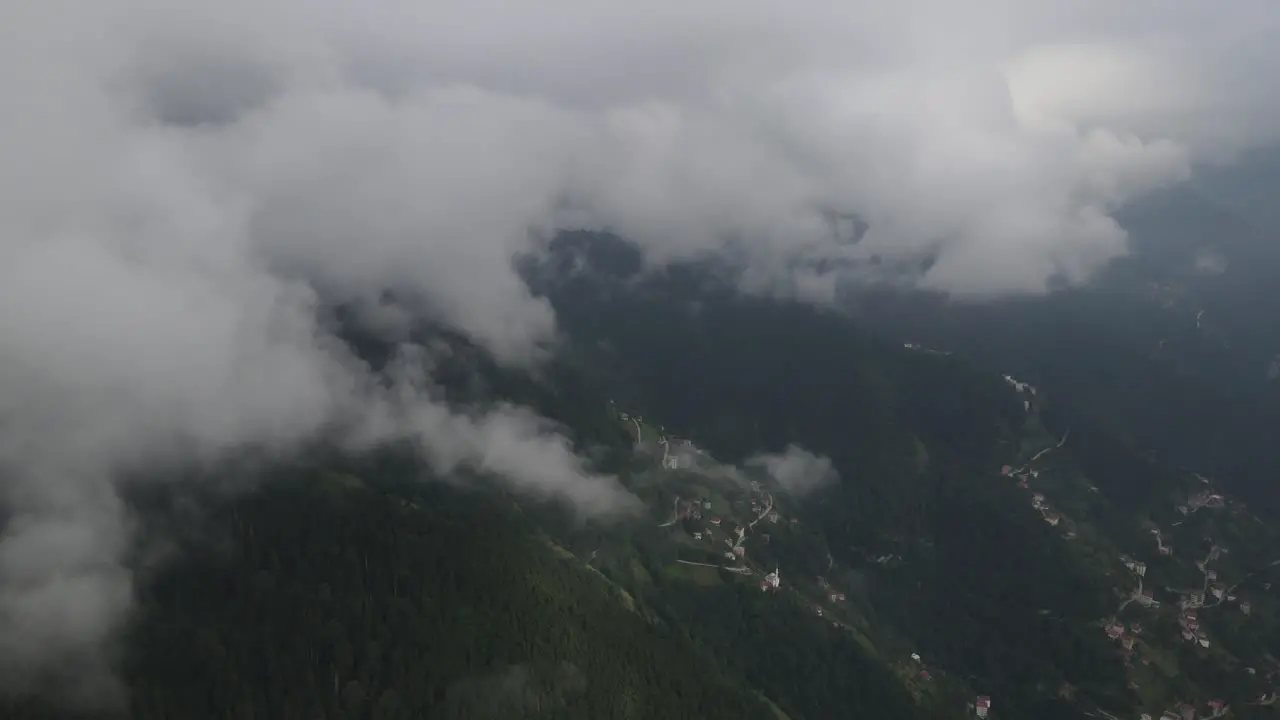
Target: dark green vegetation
x,y
979,584
347,589
916,438
1162,352
324,597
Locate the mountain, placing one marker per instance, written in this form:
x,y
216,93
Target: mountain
x,y
326,595
1172,348
834,525
951,560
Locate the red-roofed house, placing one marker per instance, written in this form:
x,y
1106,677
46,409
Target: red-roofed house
x,y
981,706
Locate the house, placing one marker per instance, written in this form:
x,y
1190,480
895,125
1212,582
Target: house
x,y
739,551
822,582
1114,630
1023,484
1137,568
1195,599
818,609
1166,550
1217,591
774,579
1217,708
1147,598
1203,639
773,516
1245,607
924,675
1127,642
697,536
1037,500
1006,470
836,597
715,521
1052,519
981,706
1135,628
1211,575
1188,712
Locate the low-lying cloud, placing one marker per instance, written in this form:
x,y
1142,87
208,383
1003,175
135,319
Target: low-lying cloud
x,y
796,470
183,184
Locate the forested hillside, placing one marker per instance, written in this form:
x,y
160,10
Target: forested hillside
x,y
327,597
947,557
972,537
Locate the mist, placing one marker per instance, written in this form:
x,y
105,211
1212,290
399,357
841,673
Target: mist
x,y
796,470
184,184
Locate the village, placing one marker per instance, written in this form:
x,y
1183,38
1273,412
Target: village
x,y
709,521
1131,635
745,518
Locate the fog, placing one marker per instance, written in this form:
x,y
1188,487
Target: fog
x,y
183,184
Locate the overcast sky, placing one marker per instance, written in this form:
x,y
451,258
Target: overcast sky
x,y
181,182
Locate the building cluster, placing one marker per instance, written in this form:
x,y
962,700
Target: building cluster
x,y
1187,711
1191,630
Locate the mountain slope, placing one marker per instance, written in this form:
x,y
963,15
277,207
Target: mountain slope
x,y
940,554
328,597
827,532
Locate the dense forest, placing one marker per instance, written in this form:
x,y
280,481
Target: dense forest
x,y
325,597
344,587
916,438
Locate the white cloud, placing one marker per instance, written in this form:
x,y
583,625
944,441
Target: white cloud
x,y
796,470
181,182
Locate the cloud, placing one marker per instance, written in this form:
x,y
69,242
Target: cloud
x,y
796,470
183,184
